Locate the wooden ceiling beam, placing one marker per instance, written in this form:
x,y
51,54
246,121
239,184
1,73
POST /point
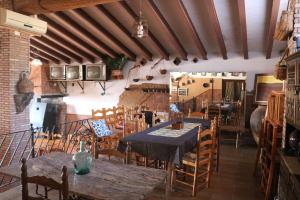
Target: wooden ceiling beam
x,y
168,30
81,32
213,17
47,6
43,55
68,46
49,51
56,47
146,53
70,37
33,56
243,26
192,30
163,52
97,27
271,27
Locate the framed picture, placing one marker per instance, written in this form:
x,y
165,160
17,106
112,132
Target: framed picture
x,y
264,84
183,91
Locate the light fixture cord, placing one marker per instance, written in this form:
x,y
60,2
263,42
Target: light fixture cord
x,y
140,9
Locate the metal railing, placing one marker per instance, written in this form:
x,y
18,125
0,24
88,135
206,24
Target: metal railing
x,y
41,141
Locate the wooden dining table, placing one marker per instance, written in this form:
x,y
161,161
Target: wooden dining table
x,y
161,142
107,179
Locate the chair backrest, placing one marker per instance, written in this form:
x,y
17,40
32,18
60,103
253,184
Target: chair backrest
x,y
195,114
206,142
62,187
213,111
112,116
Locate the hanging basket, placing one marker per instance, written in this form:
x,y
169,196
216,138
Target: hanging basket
x,y
162,71
149,78
280,72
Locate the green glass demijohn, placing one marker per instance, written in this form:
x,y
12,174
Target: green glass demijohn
x,y
82,161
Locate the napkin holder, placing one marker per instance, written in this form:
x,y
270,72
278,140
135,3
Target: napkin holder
x,y
177,120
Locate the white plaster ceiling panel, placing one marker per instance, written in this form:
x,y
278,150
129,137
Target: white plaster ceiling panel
x,y
198,13
227,11
172,13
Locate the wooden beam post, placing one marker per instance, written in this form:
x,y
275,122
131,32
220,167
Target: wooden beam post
x,y
81,32
271,27
192,30
70,37
97,27
49,51
56,47
67,45
43,55
167,29
213,17
243,26
48,6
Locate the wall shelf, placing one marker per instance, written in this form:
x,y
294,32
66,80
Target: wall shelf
x,y
80,83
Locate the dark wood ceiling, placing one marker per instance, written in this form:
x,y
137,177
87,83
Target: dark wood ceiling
x,y
84,35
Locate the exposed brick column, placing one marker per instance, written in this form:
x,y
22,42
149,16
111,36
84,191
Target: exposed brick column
x,y
14,55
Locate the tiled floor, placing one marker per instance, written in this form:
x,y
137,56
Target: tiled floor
x,y
233,182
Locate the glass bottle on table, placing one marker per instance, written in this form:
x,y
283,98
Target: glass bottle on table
x,y
82,160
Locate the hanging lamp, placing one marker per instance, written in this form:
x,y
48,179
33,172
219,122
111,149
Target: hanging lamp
x,y
36,62
140,26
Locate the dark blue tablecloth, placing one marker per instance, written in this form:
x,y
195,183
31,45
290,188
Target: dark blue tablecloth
x,y
162,147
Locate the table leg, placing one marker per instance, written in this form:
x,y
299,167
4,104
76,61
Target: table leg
x,y
168,181
128,153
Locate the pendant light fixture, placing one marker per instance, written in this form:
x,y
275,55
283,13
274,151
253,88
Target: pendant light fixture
x,y
140,26
36,62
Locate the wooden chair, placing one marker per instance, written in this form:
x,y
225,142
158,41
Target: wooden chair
x,y
236,126
197,167
62,187
107,145
213,111
196,114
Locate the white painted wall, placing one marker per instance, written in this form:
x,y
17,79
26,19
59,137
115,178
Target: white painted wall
x,y
82,103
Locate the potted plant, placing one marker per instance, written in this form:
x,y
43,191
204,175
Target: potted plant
x,y
115,65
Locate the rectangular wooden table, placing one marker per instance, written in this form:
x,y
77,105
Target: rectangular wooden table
x,y
107,179
163,143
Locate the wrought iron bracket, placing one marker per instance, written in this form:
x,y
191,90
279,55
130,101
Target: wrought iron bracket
x,y
81,85
102,84
64,85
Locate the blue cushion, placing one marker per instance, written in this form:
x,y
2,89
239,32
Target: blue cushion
x,y
174,108
100,128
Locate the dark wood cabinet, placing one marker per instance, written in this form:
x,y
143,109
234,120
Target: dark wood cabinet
x,y
293,90
289,181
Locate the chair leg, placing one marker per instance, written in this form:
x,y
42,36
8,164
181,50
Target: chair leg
x,y
237,140
218,154
195,182
173,179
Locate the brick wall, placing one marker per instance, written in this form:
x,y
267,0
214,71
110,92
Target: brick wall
x,y
14,55
154,96
40,78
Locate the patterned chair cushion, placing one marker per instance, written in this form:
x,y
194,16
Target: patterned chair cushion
x,y
174,108
100,128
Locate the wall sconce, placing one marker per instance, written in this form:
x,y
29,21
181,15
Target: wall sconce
x,y
177,61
